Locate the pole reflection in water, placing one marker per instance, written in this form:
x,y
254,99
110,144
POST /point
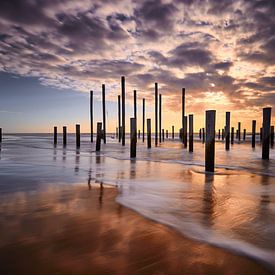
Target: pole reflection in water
x,y
209,200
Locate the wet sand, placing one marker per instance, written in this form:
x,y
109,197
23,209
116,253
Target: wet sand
x,y
80,229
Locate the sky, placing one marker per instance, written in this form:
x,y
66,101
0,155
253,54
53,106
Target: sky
x,y
52,53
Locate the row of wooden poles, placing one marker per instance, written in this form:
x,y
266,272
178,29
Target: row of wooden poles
x,y
207,134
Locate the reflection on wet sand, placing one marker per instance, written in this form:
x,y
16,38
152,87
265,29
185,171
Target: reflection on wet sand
x,y
61,231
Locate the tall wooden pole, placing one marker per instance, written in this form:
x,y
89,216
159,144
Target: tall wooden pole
x,y
266,132
98,136
210,141
0,135
156,114
160,118
148,133
135,104
143,119
183,112
104,113
185,132
173,132
119,118
92,116
133,137
227,131
123,108
253,140
64,135
191,133
232,135
239,131
55,135
77,131
244,134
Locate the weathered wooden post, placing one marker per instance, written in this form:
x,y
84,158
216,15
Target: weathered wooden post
x,y
191,134
64,135
210,141
239,131
266,132
185,132
237,134
123,108
203,135
173,132
227,131
119,116
92,115
143,119
200,133
135,104
167,135
55,135
219,135
104,112
244,134
223,134
133,136
156,114
183,114
272,136
160,118
148,133
77,134
98,135
253,138
232,135
162,135
138,134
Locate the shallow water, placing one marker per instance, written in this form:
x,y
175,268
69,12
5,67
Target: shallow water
x,y
232,209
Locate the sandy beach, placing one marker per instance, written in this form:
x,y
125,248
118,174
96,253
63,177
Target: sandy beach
x,y
80,229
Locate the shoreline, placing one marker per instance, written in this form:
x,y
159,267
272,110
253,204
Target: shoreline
x,y
73,229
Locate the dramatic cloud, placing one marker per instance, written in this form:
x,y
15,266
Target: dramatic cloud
x,y
224,48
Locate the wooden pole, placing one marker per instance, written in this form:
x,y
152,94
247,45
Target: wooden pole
x,y
244,134
55,135
116,132
135,104
272,136
261,134
92,115
162,135
227,131
253,139
223,134
237,134
143,119
232,135
200,134
239,131
156,114
98,136
119,116
219,135
138,134
133,136
266,132
203,135
160,118
167,135
185,132
148,133
191,134
104,113
210,141
173,132
0,135
123,108
77,130
183,114
64,135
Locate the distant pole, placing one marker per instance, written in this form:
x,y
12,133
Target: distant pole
x,y
237,134
138,134
232,135
219,135
166,134
104,113
156,114
148,133
227,131
266,132
98,136
200,134
0,135
244,134
162,135
253,139
135,104
191,133
210,141
123,108
239,131
203,135
183,113
272,136
160,118
143,119
92,115
77,131
116,132
119,116
173,132
185,132
64,135
55,135
223,134
133,136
